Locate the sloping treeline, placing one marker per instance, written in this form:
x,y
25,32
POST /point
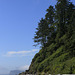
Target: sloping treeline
x,y
57,22
56,34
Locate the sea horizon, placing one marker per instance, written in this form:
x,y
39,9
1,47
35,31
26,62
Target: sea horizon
x,y
4,74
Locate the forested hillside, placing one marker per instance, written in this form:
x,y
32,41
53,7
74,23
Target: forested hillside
x,y
56,34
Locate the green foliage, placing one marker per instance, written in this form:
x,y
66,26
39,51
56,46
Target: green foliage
x,y
56,34
41,34
58,59
47,61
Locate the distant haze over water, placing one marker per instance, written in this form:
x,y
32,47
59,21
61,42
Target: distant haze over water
x,y
4,74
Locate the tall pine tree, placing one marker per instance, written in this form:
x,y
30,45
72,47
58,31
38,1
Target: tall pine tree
x,y
41,33
60,16
50,16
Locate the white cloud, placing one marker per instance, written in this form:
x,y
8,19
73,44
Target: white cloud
x,y
23,68
20,53
17,52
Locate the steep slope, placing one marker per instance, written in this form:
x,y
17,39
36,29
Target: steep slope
x,y
57,58
56,34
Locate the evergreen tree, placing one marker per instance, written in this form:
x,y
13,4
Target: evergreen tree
x,y
60,16
50,15
57,22
70,19
41,33
51,26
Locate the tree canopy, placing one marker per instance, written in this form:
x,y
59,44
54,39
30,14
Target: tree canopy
x,y
57,22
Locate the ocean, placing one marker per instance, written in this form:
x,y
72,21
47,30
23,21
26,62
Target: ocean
x,y
4,74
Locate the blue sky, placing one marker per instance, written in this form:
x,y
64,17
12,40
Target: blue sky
x,y
18,20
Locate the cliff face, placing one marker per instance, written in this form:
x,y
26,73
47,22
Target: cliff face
x,y
58,58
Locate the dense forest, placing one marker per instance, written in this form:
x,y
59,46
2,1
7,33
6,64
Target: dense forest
x,y
56,34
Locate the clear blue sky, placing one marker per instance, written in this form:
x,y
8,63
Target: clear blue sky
x,y
18,20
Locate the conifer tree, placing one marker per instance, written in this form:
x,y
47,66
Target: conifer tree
x,y
70,19
50,15
60,16
41,33
58,21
